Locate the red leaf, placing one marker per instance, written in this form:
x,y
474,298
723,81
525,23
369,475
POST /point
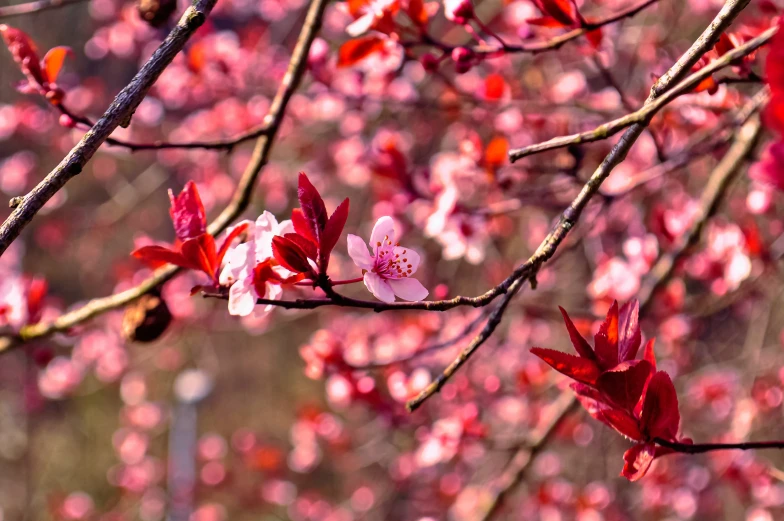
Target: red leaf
x,y
637,460
201,252
24,52
156,256
495,86
595,37
236,232
306,245
53,62
625,383
187,213
561,10
36,292
580,344
660,417
313,208
332,231
358,49
580,369
290,255
606,340
417,12
301,224
594,403
629,335
774,63
648,354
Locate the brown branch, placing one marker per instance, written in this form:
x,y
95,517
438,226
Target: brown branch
x,y
650,109
120,110
10,11
239,202
700,448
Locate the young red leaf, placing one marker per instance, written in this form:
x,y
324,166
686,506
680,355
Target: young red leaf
x,y
200,251
594,403
358,49
562,11
606,340
580,369
290,255
660,417
637,460
648,354
624,384
187,213
580,344
301,224
595,37
53,62
36,293
417,12
307,246
312,206
332,231
629,334
156,256
23,51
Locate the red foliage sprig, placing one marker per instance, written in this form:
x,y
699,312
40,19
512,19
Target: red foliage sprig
x,y
41,74
616,388
307,250
195,247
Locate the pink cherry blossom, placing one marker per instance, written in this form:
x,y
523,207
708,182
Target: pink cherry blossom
x,y
241,259
388,270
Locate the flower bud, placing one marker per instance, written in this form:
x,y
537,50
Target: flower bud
x,y
146,319
458,11
67,121
156,12
429,62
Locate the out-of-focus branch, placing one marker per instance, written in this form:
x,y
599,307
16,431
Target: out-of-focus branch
x,y
10,11
120,110
239,202
723,175
650,109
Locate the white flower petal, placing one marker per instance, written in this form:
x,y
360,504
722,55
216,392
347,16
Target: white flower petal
x,y
236,264
273,292
379,287
408,289
242,298
361,25
357,250
409,258
383,230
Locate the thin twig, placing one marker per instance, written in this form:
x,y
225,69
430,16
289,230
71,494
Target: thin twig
x,y
121,110
650,109
239,202
700,448
10,11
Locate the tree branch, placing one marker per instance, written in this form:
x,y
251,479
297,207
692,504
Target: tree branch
x,y
120,110
10,11
700,448
237,205
650,109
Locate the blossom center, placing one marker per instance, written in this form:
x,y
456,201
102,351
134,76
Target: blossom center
x,y
390,264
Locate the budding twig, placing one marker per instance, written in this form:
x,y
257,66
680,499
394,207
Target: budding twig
x,y
10,11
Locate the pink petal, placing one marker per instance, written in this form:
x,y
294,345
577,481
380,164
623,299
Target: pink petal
x,y
242,299
383,232
410,257
379,287
361,25
409,289
357,250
